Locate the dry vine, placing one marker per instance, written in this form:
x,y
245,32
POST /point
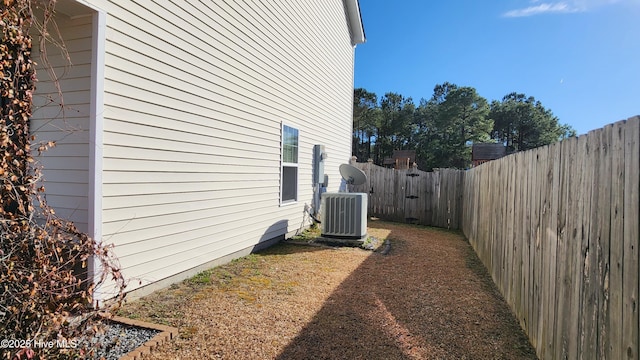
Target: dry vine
x,y
46,286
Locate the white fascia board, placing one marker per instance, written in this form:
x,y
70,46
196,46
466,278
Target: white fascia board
x,y
355,21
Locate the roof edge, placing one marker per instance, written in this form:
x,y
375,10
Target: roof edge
x,y
354,18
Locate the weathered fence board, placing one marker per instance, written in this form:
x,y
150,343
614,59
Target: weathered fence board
x,y
566,251
604,245
584,208
520,196
550,269
560,264
509,188
574,281
536,231
630,295
617,232
588,338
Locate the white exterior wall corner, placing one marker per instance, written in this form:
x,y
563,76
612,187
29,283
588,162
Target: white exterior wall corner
x,y
194,97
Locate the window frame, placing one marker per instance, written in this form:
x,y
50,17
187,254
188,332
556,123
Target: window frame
x,y
291,165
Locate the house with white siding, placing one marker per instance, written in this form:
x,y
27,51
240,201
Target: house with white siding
x,y
185,130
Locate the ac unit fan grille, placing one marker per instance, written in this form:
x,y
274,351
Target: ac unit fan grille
x,y
344,215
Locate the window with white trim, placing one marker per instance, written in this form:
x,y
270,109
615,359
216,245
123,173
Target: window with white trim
x,y
289,170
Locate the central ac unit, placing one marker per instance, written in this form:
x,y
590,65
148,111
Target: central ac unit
x,y
344,215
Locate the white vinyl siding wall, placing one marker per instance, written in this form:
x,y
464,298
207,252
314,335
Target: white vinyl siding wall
x,y
65,120
195,94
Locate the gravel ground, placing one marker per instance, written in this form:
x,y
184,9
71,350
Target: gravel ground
x,y
116,341
429,297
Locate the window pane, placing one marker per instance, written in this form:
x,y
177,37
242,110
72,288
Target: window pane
x,y
289,183
289,144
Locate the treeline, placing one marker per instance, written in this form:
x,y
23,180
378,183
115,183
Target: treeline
x,y
442,129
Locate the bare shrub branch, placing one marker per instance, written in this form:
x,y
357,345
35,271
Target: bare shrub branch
x,y
46,286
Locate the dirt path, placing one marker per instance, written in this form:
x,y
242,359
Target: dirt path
x,y
429,298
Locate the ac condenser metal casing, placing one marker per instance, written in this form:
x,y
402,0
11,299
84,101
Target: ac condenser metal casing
x,y
344,215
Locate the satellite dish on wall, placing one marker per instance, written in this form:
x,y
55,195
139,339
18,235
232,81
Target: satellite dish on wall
x,y
352,175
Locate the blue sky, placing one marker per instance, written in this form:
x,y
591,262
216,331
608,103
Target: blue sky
x,y
580,58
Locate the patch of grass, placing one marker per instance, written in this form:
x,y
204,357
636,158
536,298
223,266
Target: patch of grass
x,y
251,258
202,278
133,316
308,235
223,276
372,243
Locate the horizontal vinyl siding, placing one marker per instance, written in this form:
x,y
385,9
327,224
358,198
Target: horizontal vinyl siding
x,y
195,94
65,167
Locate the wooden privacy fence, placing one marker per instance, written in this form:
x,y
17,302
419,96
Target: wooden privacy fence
x,y
426,198
557,228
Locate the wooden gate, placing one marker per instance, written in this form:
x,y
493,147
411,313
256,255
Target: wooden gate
x,y
414,196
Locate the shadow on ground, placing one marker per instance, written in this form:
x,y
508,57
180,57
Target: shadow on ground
x,y
426,299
